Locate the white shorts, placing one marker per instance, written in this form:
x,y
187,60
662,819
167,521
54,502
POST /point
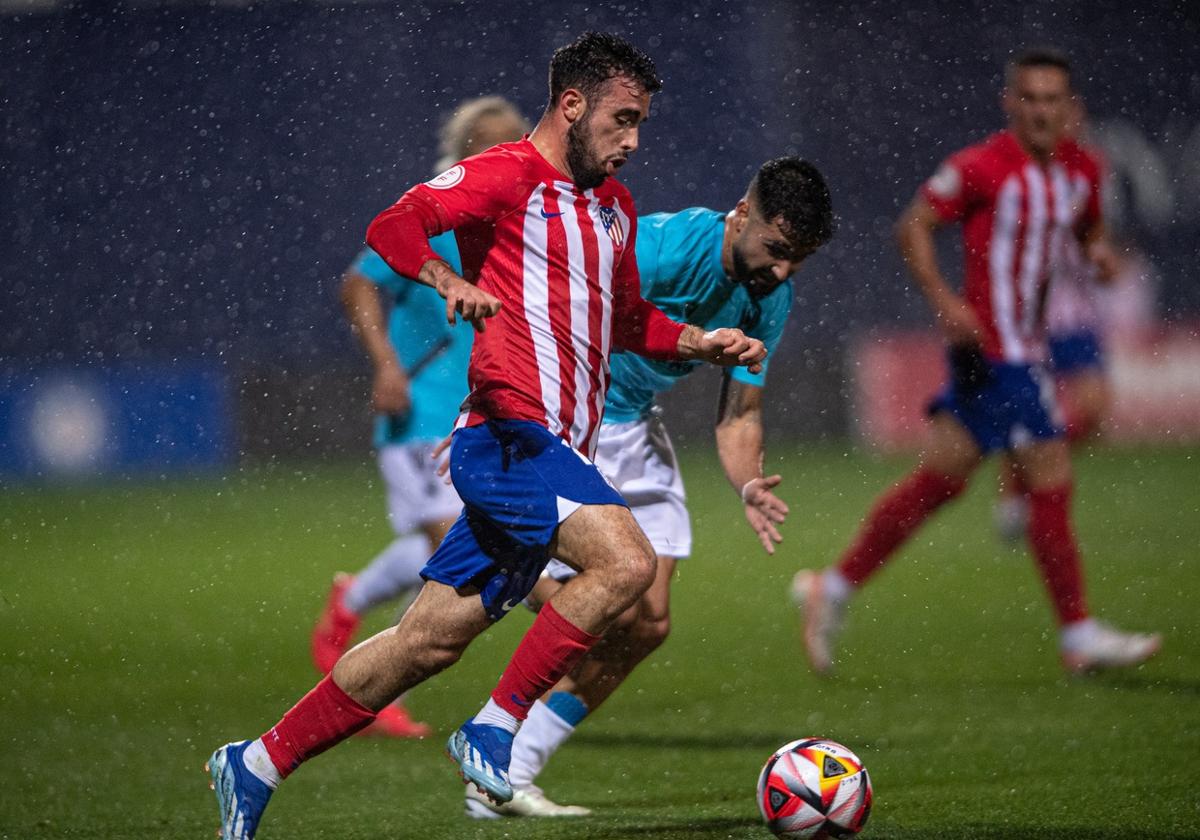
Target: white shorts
x,y
416,494
637,457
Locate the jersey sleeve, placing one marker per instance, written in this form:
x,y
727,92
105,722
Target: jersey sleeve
x,y
1093,208
954,189
480,189
768,328
372,266
638,325
648,248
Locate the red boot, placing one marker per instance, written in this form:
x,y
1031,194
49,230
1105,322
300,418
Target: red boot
x,y
335,628
394,721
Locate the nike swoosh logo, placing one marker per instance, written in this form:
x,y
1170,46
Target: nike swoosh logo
x,y
546,215
523,704
508,605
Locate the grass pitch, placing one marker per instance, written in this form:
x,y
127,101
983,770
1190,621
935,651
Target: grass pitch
x,y
145,623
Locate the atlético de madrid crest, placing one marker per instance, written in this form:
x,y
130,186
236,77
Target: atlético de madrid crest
x,y
612,225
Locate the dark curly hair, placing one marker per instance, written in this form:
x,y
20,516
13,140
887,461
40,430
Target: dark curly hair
x,y
595,57
793,190
1037,57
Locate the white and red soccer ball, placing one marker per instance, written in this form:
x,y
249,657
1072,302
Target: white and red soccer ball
x,y
814,789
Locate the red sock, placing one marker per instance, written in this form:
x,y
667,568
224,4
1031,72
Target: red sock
x,y
550,648
896,515
1077,429
323,717
1053,544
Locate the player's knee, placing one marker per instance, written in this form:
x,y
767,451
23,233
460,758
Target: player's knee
x,y
954,486
650,632
631,566
643,565
938,487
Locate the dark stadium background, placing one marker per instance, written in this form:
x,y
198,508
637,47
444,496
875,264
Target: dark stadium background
x,y
182,183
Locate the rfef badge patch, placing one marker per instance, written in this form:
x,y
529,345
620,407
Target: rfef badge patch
x,y
612,225
946,182
451,177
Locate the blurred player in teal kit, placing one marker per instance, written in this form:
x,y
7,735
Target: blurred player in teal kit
x,y
713,269
419,381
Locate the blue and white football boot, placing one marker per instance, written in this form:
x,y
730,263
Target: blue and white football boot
x,y
483,754
241,796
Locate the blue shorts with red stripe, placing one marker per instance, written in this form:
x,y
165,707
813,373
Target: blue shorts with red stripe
x,y
1003,406
518,482
1075,351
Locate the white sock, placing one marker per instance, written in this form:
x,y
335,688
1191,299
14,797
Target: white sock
x,y
492,715
837,588
395,569
1077,633
541,736
258,762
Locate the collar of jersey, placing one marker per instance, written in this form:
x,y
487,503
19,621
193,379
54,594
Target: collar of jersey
x,y
715,265
558,179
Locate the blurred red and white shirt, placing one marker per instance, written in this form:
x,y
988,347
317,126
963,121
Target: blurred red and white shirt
x,y
1019,219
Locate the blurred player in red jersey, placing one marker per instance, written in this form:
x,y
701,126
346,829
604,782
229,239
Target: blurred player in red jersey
x,y
1075,347
550,282
419,381
1020,195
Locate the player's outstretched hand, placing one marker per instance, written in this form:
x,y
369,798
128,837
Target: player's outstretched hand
x,y
959,323
765,510
443,467
464,299
730,347
1105,258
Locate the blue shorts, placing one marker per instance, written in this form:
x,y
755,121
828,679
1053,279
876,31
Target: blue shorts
x,y
518,481
1075,351
1012,407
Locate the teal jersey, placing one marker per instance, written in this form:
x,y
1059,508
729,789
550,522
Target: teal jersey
x,y
679,260
426,345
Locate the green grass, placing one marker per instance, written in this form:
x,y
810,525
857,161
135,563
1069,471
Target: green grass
x,y
144,623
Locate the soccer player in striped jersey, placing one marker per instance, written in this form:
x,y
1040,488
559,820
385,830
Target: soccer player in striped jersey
x,y
1074,347
419,377
1019,195
718,269
547,240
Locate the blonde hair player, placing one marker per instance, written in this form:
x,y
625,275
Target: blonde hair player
x,y
419,378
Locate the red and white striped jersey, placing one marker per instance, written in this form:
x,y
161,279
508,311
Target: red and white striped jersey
x,y
561,261
1018,219
1073,304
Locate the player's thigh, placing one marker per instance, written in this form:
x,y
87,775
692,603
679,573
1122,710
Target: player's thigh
x,y
602,537
436,530
1044,464
417,498
1088,392
951,450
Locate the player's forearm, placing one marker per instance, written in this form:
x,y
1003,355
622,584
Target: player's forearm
x,y
641,327
400,235
740,448
915,238
360,300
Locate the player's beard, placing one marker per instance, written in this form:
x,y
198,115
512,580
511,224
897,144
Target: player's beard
x,y
586,169
742,273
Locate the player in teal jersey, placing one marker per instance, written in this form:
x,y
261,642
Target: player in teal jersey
x,y
713,269
419,380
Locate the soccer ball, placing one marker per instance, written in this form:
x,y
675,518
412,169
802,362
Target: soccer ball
x,y
814,788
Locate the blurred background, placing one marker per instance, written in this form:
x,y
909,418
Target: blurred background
x,y
182,184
